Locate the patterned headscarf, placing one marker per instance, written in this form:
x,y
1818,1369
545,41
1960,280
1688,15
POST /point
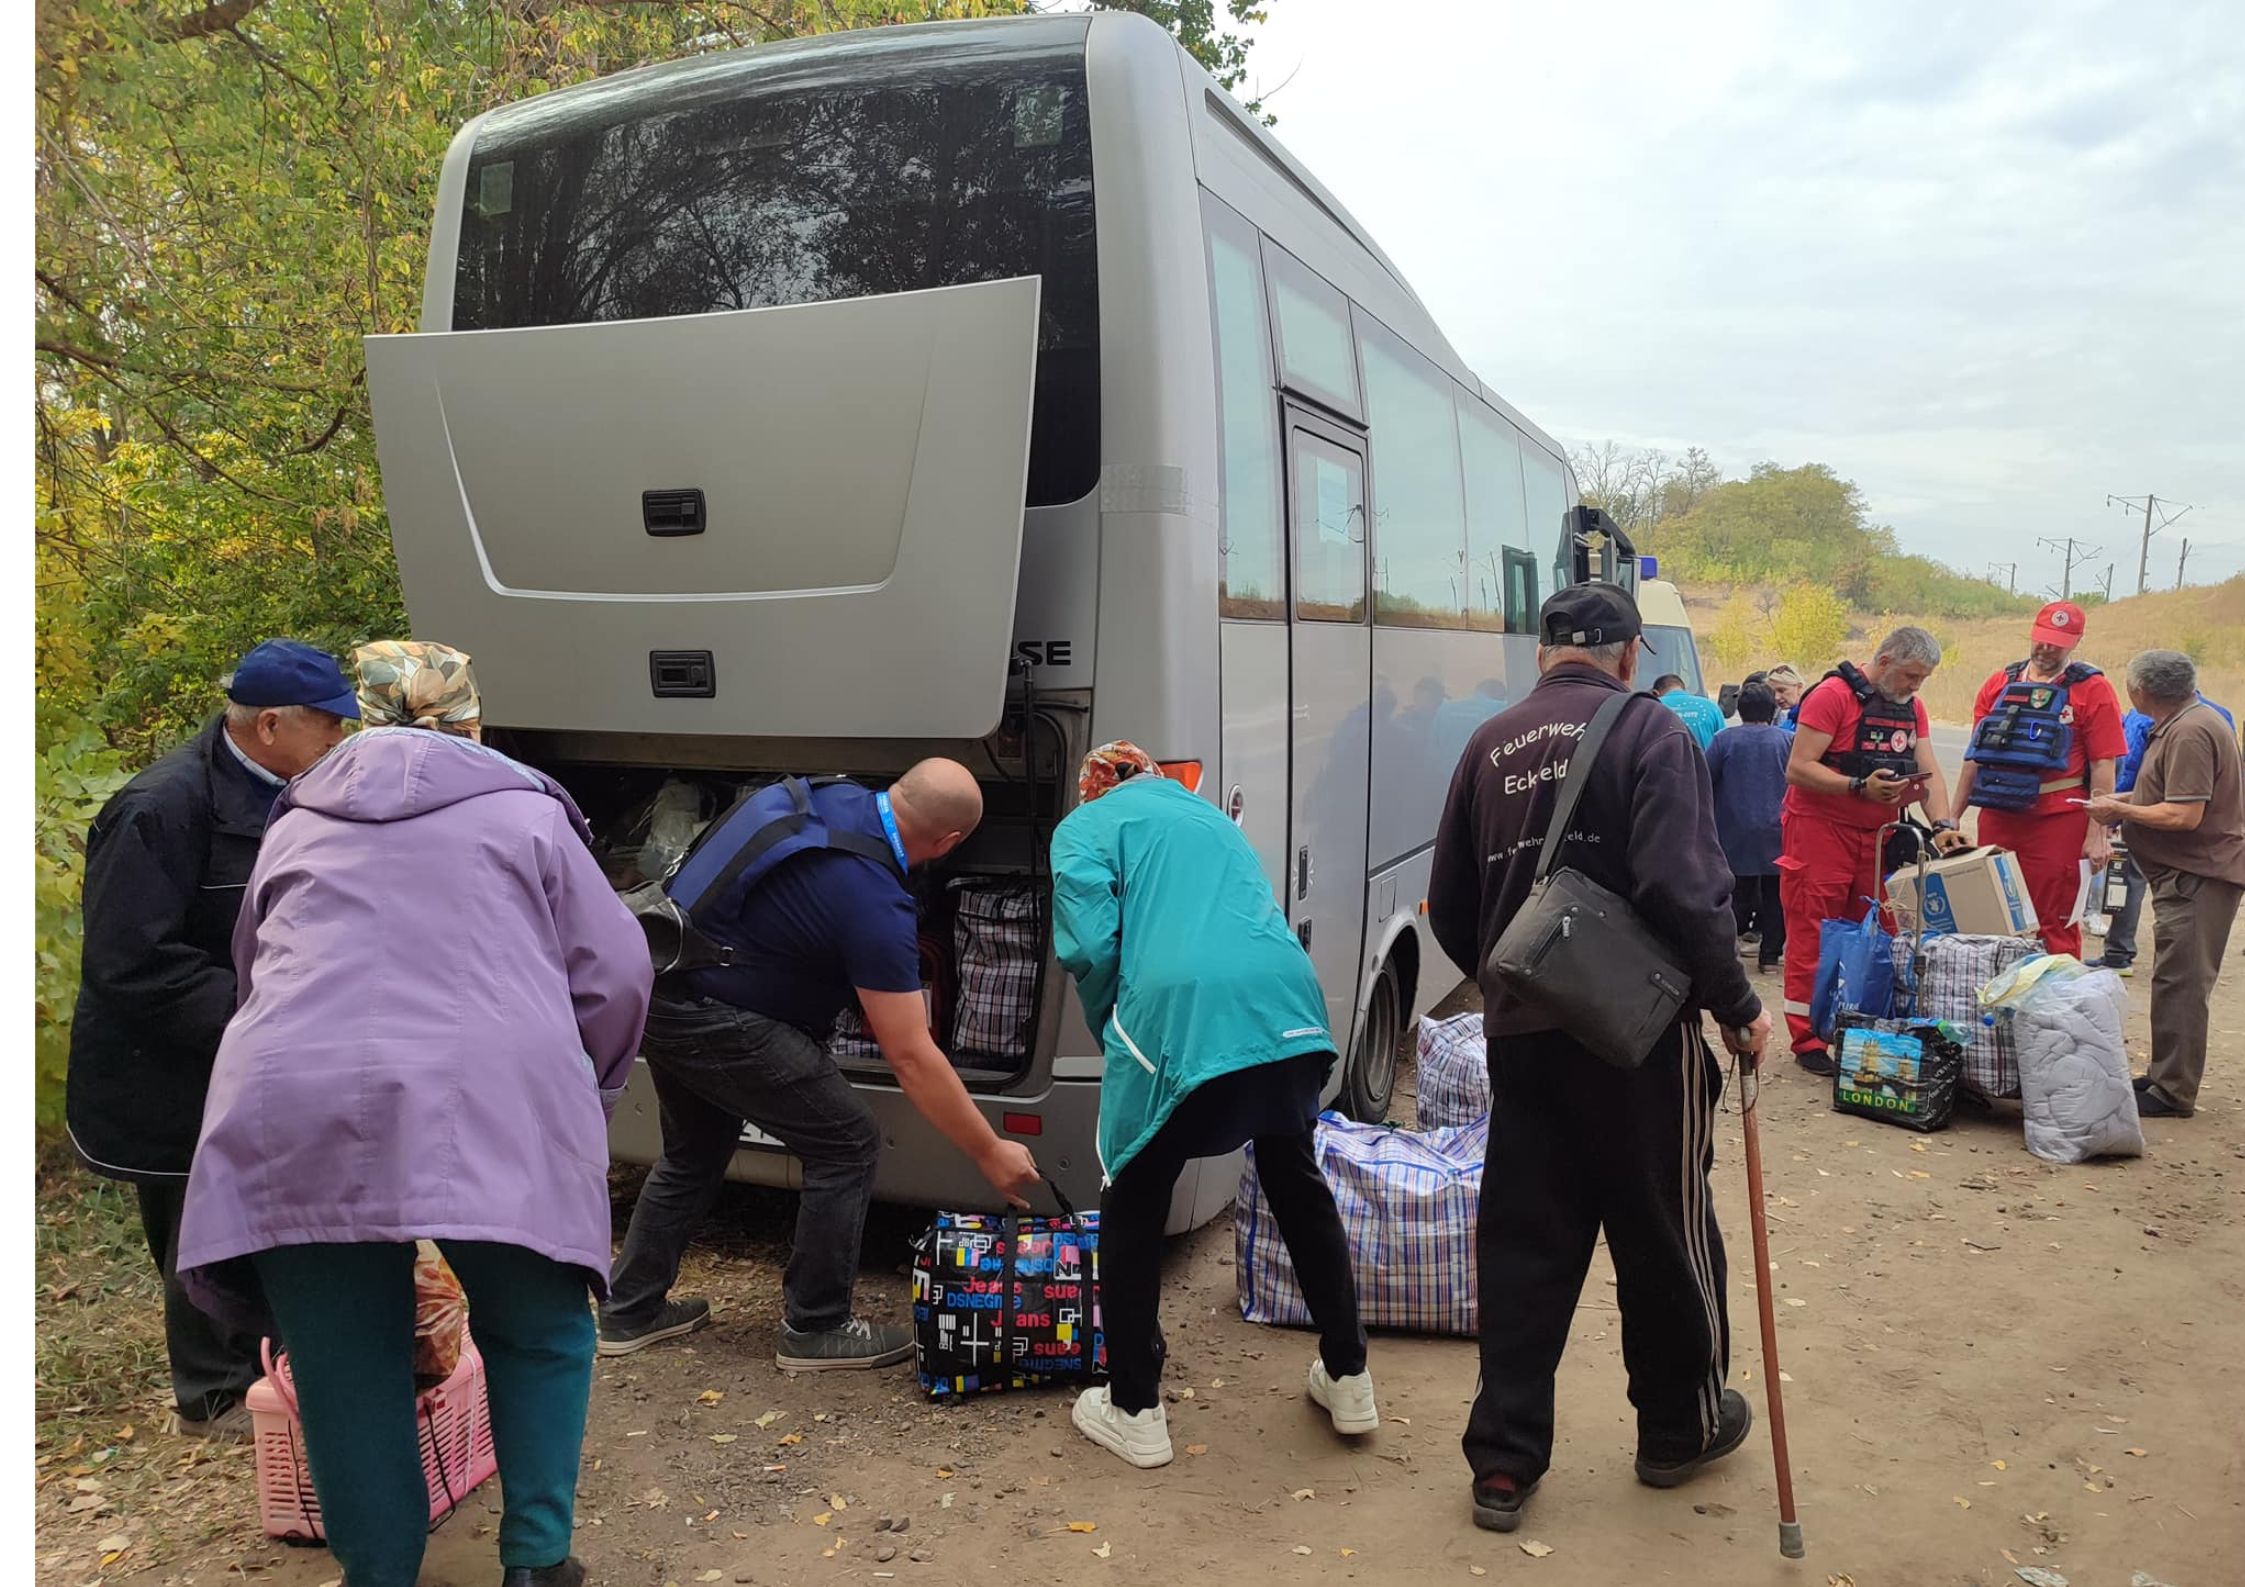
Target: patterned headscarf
x,y
412,683
1110,765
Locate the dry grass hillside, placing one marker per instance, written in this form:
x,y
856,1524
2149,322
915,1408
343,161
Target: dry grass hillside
x,y
2206,622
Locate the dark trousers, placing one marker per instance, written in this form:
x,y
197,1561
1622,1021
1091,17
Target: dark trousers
x,y
1756,907
713,1067
212,1366
1134,1209
2120,940
2191,921
347,1311
1575,1146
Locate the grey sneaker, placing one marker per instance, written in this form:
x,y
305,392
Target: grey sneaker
x,y
857,1343
233,1425
677,1319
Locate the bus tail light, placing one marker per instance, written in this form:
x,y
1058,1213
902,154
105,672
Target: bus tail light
x,y
1183,771
1022,1123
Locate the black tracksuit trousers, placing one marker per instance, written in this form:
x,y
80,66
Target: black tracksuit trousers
x,y
1576,1145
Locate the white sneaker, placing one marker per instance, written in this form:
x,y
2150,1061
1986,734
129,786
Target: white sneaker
x,y
1347,1400
1140,1437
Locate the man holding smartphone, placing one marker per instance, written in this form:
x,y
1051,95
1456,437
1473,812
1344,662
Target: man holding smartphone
x,y
1861,755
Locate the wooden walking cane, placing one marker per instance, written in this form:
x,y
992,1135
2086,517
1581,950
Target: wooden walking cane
x,y
1789,1541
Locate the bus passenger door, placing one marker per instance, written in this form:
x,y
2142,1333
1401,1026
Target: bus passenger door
x,y
1331,705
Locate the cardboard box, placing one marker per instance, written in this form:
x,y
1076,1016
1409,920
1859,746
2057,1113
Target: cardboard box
x,y
1979,893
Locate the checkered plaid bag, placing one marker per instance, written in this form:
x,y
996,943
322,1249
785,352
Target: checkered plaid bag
x,y
999,937
851,1038
1453,1072
1956,967
1408,1202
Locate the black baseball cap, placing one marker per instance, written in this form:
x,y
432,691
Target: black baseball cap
x,y
1590,614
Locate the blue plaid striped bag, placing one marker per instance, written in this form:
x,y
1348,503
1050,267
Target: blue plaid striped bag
x,y
1453,1072
1408,1200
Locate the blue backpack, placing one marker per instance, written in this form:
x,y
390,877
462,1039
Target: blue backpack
x,y
765,828
2021,745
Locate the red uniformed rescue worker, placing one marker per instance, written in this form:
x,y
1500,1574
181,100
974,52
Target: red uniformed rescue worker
x,y
2047,735
1860,757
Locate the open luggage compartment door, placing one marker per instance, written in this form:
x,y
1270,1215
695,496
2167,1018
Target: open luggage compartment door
x,y
783,522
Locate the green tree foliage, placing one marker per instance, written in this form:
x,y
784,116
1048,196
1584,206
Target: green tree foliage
x,y
1811,626
1738,635
1776,526
73,779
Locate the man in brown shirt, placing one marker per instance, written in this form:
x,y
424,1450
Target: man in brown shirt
x,y
2186,829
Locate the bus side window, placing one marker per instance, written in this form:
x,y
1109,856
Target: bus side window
x,y
1496,519
1252,566
1521,602
1329,537
1418,538
1546,482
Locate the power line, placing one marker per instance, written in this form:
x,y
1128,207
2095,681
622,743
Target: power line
x,y
2006,573
2150,505
2074,552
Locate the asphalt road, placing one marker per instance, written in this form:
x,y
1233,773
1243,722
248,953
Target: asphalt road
x,y
1948,748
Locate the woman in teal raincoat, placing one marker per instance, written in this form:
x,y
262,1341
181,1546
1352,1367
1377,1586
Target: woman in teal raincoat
x,y
1215,1034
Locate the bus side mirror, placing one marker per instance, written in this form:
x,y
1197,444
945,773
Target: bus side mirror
x,y
1596,546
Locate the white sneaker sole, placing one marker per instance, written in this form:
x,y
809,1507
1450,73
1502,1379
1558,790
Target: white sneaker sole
x,y
624,1347
1106,1438
1346,1426
887,1358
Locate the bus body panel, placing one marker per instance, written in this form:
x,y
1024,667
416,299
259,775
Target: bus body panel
x,y
1257,719
1157,562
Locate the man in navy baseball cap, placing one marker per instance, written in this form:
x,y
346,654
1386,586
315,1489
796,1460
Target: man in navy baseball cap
x,y
286,672
166,861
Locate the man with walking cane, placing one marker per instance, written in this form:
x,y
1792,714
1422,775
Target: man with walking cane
x,y
1584,1138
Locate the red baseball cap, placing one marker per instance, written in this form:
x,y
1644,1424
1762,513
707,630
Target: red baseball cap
x,y
2060,623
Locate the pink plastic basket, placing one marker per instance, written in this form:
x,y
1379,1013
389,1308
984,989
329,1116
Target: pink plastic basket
x,y
456,1452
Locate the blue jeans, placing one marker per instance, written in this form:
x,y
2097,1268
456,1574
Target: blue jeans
x,y
347,1313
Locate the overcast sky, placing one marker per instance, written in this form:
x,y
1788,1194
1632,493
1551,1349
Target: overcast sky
x,y
1986,260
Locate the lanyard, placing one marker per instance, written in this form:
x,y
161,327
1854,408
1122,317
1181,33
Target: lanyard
x,y
888,827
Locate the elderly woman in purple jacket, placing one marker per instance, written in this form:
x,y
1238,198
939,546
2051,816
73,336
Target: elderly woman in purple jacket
x,y
441,998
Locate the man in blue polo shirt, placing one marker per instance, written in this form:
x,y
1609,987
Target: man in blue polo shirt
x,y
1702,715
2120,940
746,1041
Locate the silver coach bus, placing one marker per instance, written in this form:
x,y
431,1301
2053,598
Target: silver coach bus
x,y
989,389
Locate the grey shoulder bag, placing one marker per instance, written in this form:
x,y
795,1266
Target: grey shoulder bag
x,y
1577,950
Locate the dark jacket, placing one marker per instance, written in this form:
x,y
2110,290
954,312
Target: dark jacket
x,y
1645,828
1747,766
166,861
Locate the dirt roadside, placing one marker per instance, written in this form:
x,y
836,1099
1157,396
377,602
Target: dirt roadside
x,y
1993,1362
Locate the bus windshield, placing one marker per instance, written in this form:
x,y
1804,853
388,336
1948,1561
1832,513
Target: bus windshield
x,y
836,176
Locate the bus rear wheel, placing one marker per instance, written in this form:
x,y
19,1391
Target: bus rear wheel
x,y
1370,1086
